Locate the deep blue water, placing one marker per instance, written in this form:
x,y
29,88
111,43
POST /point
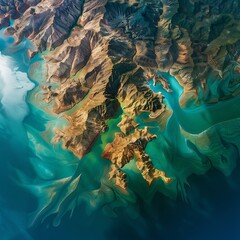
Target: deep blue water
x,y
211,211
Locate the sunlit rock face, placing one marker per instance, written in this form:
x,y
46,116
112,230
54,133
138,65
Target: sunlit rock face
x,y
147,81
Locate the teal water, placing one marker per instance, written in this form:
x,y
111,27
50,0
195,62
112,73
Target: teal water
x,y
42,181
14,85
198,118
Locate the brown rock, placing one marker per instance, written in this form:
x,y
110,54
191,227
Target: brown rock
x,y
124,148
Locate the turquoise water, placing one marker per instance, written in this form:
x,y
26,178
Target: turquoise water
x,y
41,180
14,85
198,118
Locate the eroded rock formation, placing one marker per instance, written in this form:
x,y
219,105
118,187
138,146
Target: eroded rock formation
x,y
12,9
124,148
127,124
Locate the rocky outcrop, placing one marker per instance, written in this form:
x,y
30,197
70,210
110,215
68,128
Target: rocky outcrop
x,y
86,124
12,9
127,124
47,24
124,148
118,176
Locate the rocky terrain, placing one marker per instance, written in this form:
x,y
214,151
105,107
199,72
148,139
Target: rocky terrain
x,y
13,9
124,148
100,55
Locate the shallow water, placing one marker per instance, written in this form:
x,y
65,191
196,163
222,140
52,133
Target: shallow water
x,y
40,177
